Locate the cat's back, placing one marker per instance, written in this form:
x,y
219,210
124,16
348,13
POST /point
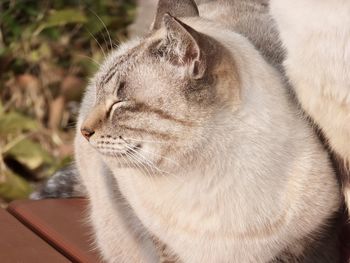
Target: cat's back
x,y
250,18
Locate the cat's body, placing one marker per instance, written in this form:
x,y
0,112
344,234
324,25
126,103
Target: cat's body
x,y
195,143
316,35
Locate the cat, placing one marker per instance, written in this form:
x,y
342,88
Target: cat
x,y
191,148
316,35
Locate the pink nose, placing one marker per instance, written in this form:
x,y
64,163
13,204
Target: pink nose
x,y
86,132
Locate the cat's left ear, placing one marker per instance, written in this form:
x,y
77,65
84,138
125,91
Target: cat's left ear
x,y
184,46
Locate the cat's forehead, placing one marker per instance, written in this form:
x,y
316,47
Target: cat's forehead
x,y
128,55
130,63
120,61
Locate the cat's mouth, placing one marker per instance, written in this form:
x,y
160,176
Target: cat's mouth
x,y
129,152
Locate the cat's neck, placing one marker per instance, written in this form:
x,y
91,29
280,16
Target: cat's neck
x,y
208,190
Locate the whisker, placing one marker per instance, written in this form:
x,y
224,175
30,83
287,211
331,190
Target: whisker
x,y
148,161
149,174
136,162
105,27
145,167
98,43
131,139
143,159
93,60
165,158
142,167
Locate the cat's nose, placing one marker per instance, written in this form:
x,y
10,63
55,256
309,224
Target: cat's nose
x,y
87,133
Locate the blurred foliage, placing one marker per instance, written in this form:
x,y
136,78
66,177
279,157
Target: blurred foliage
x,y
48,50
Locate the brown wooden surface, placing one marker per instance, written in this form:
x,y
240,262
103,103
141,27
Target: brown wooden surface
x,y
19,244
62,223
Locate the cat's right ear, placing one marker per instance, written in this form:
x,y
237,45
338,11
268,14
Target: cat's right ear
x,y
183,8
183,47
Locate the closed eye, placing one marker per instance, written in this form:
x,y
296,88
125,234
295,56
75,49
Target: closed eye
x,y
110,109
117,104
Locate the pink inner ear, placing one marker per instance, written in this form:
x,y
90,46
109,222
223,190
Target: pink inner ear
x,y
195,69
184,46
191,53
185,37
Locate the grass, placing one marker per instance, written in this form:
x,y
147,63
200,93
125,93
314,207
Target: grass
x,y
48,51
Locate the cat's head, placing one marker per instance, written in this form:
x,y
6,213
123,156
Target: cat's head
x,y
157,98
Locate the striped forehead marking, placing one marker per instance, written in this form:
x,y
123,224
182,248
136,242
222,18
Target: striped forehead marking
x,y
130,59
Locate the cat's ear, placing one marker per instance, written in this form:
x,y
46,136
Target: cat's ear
x,y
183,44
183,8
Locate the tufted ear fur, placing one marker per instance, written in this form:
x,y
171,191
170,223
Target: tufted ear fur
x,y
183,46
178,8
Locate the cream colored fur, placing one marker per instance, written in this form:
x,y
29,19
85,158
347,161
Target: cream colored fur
x,y
316,34
261,185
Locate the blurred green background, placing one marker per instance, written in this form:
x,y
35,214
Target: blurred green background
x,y
48,51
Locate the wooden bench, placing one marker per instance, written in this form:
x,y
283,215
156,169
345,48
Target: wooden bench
x,y
51,230
56,231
